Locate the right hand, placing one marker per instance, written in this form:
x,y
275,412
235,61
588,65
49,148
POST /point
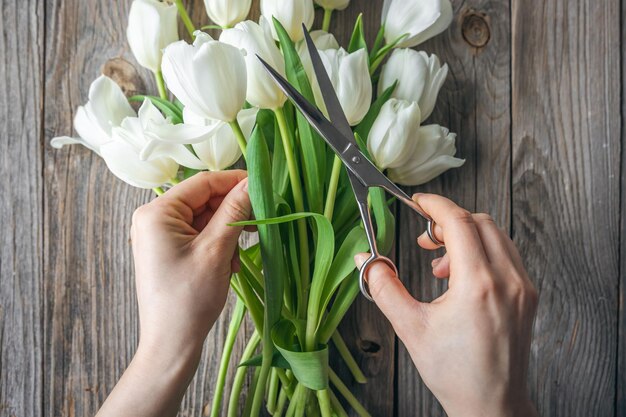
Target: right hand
x,y
471,345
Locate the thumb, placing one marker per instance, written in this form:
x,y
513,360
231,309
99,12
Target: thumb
x,y
388,293
234,208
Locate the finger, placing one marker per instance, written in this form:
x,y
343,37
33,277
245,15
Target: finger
x,y
441,267
202,187
493,240
458,229
426,242
388,293
514,252
235,208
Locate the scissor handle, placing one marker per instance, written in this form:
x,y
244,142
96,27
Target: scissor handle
x,y
363,282
430,226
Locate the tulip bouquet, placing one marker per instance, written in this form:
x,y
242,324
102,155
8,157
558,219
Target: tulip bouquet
x,y
216,104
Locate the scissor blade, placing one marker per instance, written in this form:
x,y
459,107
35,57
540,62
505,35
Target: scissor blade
x,y
337,140
354,160
333,106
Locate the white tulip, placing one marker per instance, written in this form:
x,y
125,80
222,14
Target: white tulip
x,y
161,138
349,75
262,90
106,108
227,13
432,156
209,77
419,78
420,20
220,149
392,138
333,4
123,154
152,25
291,14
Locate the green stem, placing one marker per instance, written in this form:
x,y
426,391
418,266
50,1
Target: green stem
x,y
324,400
160,82
295,400
286,381
343,350
328,14
158,191
337,407
301,404
241,138
175,181
184,16
272,392
255,271
298,198
248,409
282,400
345,392
233,329
240,375
332,189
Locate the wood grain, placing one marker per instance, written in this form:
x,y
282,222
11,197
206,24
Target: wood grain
x,y
566,142
620,383
21,297
534,94
474,103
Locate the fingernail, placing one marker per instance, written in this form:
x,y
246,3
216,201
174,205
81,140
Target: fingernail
x,y
245,185
435,262
359,259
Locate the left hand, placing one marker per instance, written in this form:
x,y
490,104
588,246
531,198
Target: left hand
x,y
185,253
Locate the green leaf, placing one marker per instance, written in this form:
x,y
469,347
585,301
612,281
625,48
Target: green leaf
x,y
324,250
277,361
377,59
280,171
343,265
363,129
346,295
312,147
168,108
309,368
378,42
274,267
357,41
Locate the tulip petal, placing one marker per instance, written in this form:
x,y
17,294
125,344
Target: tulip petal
x,y
123,161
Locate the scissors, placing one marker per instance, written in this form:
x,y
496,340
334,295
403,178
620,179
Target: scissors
x,y
362,173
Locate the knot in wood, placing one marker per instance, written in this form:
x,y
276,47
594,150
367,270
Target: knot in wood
x,y
475,28
125,75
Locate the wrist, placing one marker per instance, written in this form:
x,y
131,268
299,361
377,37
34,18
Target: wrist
x,y
168,362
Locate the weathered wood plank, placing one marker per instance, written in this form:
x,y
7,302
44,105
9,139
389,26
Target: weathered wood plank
x,y
475,103
566,142
21,332
620,383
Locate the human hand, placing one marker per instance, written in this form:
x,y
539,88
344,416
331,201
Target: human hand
x,y
184,255
470,345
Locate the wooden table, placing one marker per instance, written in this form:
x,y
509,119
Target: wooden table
x,y
534,93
